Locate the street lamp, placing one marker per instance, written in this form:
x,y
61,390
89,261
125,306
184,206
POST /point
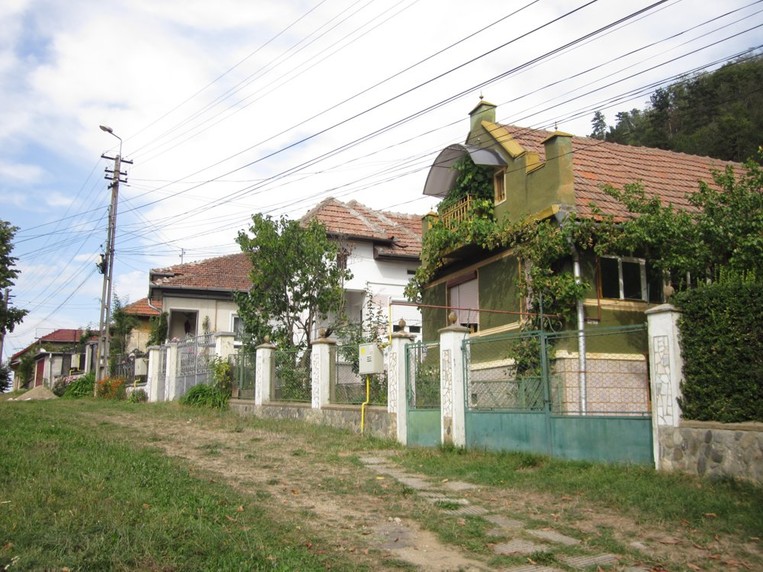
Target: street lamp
x,y
107,265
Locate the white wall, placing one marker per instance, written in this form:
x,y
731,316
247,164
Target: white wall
x,y
219,312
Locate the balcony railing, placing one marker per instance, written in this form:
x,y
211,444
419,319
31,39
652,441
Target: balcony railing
x,y
458,213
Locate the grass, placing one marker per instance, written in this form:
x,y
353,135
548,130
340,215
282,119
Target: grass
x,y
676,499
90,500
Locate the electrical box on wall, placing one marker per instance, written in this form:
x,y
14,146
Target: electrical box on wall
x,y
371,359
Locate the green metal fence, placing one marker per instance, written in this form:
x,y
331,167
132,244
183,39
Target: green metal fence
x,y
292,375
348,386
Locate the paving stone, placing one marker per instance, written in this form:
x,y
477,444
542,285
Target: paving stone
x,y
373,460
554,536
504,521
581,562
636,569
639,546
459,486
518,546
415,483
469,511
532,568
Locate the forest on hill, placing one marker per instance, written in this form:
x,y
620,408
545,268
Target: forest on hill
x,y
718,114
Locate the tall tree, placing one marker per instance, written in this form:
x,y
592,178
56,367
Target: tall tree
x,y
122,324
599,126
9,316
295,280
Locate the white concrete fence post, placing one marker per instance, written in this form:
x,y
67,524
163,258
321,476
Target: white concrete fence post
x,y
665,371
224,344
152,376
265,370
452,382
322,367
396,382
170,382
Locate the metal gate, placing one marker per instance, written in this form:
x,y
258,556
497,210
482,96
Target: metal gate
x,y
193,362
564,394
423,394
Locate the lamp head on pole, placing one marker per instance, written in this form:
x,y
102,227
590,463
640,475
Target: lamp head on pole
x,y
106,128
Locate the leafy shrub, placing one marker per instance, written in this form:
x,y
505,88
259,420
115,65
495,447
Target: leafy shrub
x,y
138,396
111,388
80,387
722,346
206,395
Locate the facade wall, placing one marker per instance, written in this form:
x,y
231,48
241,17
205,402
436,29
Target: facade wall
x,y
219,312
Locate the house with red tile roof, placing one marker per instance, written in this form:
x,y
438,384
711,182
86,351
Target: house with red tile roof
x,y
142,310
380,248
541,175
382,251
55,354
198,297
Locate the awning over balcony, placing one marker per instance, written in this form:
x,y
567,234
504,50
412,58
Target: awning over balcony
x,y
442,177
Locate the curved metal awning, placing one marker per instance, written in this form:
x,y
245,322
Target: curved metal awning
x,y
442,176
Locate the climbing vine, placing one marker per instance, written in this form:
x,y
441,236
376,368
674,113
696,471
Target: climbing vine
x,y
547,286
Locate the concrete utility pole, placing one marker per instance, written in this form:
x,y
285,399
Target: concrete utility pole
x,y
106,263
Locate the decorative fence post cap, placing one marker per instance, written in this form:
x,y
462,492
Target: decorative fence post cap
x,y
401,324
452,317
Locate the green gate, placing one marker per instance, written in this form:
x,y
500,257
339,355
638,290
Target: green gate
x,y
564,394
422,371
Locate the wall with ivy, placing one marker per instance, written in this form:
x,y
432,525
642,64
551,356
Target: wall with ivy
x,y
434,319
498,291
722,346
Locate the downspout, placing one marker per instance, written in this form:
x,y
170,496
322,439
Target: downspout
x,y
561,216
581,334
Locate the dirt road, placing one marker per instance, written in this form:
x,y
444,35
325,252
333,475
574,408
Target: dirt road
x,y
365,505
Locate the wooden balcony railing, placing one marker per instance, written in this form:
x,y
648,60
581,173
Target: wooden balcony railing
x,y
456,214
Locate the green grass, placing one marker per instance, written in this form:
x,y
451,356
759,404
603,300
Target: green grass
x,y
89,499
729,506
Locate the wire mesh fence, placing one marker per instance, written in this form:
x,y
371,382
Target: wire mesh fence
x,y
349,387
292,375
243,369
423,372
601,371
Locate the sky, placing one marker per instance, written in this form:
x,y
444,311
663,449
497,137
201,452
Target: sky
x,y
235,107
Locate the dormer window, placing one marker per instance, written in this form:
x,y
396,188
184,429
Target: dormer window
x,y
499,186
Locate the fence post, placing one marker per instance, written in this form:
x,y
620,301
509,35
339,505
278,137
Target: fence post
x,y
170,381
323,363
224,347
396,382
265,368
452,392
152,376
665,371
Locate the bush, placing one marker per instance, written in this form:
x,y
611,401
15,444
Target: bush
x,y
722,346
111,388
80,387
138,396
205,395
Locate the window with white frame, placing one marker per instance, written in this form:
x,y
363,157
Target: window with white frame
x,y
237,327
623,278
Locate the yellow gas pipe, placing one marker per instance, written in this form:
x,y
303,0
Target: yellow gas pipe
x,y
365,403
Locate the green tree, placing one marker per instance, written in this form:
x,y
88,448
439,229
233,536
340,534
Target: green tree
x,y
159,329
9,316
122,324
295,280
5,378
599,125
724,231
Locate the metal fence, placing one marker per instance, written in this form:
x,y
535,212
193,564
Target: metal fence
x,y
533,371
292,375
243,369
348,386
423,374
123,367
194,358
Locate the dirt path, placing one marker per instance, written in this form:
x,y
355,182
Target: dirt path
x,y
371,508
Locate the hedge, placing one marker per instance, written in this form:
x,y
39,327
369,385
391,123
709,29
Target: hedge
x,y
722,346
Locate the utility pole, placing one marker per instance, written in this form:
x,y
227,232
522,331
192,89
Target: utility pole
x,y
4,301
106,262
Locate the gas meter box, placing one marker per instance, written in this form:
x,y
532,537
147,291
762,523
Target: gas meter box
x,y
371,359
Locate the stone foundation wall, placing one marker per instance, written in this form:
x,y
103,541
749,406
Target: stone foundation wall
x,y
713,449
379,422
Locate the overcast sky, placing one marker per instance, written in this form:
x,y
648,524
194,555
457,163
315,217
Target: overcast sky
x,y
232,107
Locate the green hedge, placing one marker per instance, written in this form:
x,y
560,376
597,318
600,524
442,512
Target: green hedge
x,y
722,346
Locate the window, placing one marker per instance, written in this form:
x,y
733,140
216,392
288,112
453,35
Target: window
x,y
623,278
499,186
463,298
237,327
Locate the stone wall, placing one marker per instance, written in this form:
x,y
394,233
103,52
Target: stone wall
x,y
713,449
378,423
